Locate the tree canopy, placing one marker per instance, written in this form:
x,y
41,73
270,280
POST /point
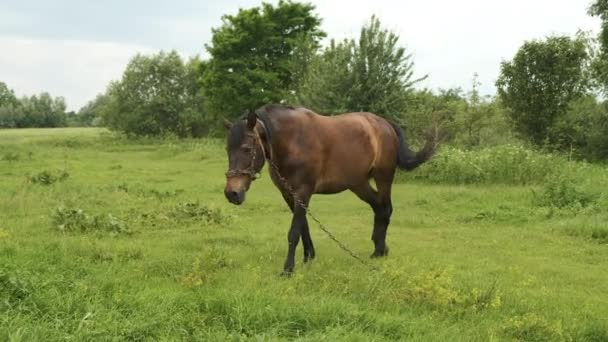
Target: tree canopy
x,y
541,81
373,73
252,56
157,95
34,111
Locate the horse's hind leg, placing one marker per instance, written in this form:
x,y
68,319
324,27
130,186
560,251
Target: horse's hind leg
x,y
380,201
383,212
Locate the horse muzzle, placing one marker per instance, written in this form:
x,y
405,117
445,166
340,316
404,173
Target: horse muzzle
x,y
235,197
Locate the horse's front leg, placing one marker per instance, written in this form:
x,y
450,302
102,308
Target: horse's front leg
x,y
309,248
298,225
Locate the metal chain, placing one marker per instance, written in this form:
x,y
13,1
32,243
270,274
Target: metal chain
x,y
321,225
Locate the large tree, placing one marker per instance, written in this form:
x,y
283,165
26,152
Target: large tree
x,y
372,74
157,95
7,95
252,56
10,113
40,110
599,8
541,81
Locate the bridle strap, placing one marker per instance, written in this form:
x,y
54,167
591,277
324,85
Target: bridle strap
x,y
250,171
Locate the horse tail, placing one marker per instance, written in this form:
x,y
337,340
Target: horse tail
x,y
408,159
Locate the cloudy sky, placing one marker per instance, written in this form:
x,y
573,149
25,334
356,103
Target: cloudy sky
x,y
73,48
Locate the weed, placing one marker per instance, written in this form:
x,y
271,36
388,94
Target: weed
x,y
76,220
436,289
47,177
594,331
13,290
562,191
11,157
142,192
532,327
203,267
597,232
194,211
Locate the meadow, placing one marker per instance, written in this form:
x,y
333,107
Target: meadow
x,y
105,238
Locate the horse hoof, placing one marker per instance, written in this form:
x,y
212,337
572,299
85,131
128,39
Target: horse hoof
x,y
286,274
309,257
379,254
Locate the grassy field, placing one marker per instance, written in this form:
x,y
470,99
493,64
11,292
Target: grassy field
x,y
102,238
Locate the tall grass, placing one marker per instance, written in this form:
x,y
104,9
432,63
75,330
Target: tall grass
x,y
505,164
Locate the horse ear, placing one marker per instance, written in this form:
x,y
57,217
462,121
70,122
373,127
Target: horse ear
x,y
227,124
252,119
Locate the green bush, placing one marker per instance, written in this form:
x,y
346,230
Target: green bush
x,y
504,164
562,191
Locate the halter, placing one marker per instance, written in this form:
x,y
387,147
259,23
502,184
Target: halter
x,y
250,170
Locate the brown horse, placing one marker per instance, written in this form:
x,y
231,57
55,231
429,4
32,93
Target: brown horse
x,y
315,154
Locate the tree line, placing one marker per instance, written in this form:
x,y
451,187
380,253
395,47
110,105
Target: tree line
x,y
548,94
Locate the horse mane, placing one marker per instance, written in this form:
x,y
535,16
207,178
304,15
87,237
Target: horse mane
x,y
263,114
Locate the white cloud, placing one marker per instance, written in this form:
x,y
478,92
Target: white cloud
x,y
451,40
76,70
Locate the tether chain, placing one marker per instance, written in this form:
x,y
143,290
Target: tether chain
x,y
309,213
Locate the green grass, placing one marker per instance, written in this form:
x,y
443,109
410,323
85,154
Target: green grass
x,y
138,243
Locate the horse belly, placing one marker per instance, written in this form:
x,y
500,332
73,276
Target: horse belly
x,y
330,188
337,180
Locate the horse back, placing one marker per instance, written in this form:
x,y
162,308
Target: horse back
x,y
335,153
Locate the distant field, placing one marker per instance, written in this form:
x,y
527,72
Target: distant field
x,y
102,238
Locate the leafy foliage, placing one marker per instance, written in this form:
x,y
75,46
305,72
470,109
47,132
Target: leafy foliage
x,y
35,111
157,95
373,74
469,120
599,8
252,56
90,114
581,131
541,81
